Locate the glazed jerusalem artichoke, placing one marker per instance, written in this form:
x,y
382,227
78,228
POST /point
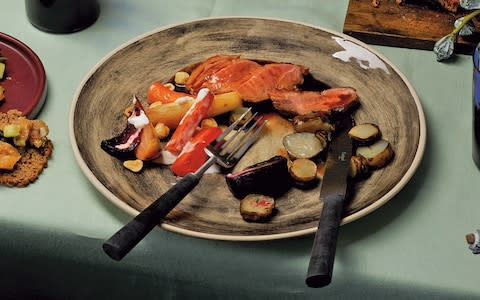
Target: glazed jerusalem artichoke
x,y
256,208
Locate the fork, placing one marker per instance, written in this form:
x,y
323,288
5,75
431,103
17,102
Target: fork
x,y
225,152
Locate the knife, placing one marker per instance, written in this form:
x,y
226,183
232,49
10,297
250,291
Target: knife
x,y
333,192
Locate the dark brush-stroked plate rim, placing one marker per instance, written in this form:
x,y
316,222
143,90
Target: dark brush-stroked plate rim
x,y
210,211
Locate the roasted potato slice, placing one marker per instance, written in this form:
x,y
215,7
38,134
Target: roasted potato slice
x,y
303,170
255,207
358,167
312,123
378,154
364,133
303,145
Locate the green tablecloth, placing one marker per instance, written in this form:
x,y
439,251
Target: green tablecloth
x,y
413,247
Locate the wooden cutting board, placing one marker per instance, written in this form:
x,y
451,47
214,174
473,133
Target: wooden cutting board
x,y
412,25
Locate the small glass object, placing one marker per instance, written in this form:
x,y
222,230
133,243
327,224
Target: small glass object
x,y
62,16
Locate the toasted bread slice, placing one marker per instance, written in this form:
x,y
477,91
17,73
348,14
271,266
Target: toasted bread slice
x,y
33,159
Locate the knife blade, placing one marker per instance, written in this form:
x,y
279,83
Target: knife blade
x,y
333,193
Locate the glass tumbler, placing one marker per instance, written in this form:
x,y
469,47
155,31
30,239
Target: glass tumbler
x,y
62,16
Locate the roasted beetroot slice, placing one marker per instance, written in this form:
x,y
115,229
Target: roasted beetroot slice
x,y
123,145
269,178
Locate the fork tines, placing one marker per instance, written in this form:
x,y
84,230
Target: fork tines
x,y
229,148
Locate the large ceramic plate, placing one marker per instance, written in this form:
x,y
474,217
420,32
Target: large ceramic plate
x,y
387,99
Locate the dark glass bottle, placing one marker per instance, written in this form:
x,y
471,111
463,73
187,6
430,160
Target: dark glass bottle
x,y
62,16
476,106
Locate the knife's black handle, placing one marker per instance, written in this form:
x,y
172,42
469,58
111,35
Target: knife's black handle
x,y
319,272
133,232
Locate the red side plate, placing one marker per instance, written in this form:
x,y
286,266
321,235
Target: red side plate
x,y
24,80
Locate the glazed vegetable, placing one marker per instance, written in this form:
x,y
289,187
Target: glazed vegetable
x,y
303,145
193,155
303,170
170,114
123,145
192,118
38,133
223,103
157,91
23,130
270,178
364,133
149,146
11,130
24,127
270,142
358,167
378,154
256,207
137,140
9,156
312,123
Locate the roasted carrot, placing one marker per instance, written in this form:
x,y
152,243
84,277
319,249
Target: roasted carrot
x,y
189,122
157,91
193,155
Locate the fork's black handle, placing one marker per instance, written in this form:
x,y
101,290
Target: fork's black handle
x,y
133,232
319,272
